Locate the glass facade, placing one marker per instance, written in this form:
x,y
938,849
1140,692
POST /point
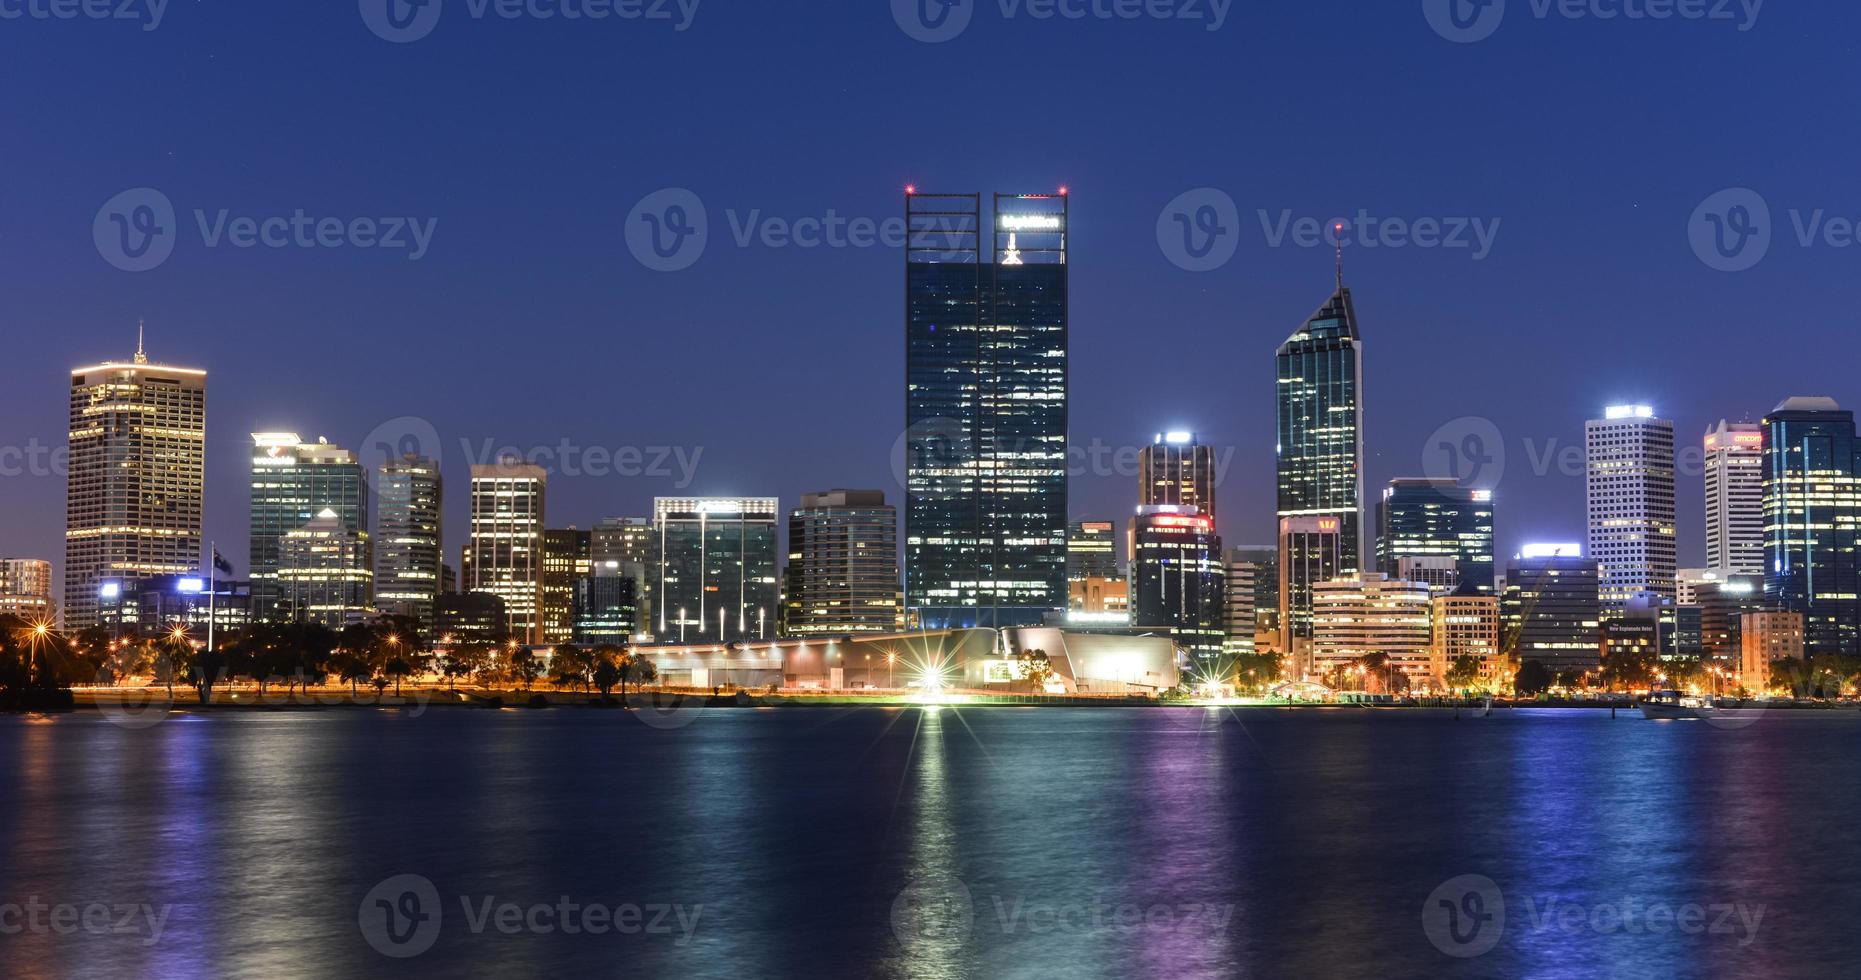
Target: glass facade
x,y
1552,613
1178,580
568,557
407,537
606,609
715,569
985,407
1437,519
294,482
1320,424
1812,507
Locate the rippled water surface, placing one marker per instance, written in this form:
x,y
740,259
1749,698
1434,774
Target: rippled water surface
x,y
997,842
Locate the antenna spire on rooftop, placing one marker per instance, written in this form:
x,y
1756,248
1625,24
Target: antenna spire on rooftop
x,y
141,358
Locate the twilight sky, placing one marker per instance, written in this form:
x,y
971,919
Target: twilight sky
x,y
523,145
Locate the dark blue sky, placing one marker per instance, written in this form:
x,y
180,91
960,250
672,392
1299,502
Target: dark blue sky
x,y
529,321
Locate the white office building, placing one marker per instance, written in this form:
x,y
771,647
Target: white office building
x,y
1631,504
1735,497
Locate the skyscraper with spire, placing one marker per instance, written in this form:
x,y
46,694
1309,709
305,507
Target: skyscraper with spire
x,y
1320,423
136,483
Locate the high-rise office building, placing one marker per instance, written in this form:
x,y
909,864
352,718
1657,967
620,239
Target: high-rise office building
x,y
1551,609
1468,626
1369,613
408,512
469,617
325,574
505,555
568,557
1091,550
843,564
1812,516
1735,497
1320,424
985,409
1178,581
627,544
1630,456
1177,470
715,572
1311,550
26,589
1252,589
606,607
136,480
1422,518
293,483
1766,637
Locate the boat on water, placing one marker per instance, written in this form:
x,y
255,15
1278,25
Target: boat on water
x,y
1675,705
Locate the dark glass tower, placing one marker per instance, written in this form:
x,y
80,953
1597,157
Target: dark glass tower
x,y
985,409
1811,511
1419,518
1320,445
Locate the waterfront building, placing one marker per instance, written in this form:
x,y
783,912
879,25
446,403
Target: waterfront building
x,y
1369,613
135,482
568,557
1551,609
1812,514
606,607
1630,456
1311,550
986,423
1735,497
408,515
1178,579
1468,626
1437,519
325,574
163,603
715,576
505,554
1252,589
1092,550
1766,637
1320,424
26,589
842,574
1097,596
469,617
293,483
1177,470
628,543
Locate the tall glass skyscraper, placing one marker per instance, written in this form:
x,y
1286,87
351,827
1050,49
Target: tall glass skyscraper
x,y
1422,518
293,483
134,490
1812,510
985,409
407,536
1320,445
